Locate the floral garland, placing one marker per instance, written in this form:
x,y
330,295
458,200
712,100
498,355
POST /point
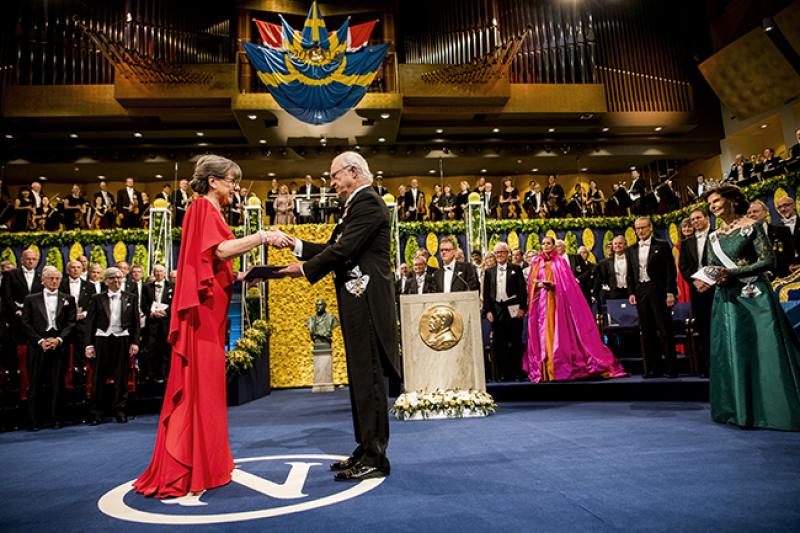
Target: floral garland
x,y
450,403
248,347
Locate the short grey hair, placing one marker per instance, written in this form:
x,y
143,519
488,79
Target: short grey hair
x,y
50,269
357,161
212,165
111,270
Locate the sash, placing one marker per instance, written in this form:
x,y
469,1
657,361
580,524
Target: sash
x,y
749,290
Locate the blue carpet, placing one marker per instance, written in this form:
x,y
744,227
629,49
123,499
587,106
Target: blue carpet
x,y
533,466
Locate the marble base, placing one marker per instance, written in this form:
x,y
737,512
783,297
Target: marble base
x,y
323,370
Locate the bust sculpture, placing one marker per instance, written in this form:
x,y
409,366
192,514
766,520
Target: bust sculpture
x,y
320,325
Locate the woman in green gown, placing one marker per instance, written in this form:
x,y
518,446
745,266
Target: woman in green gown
x,y
755,353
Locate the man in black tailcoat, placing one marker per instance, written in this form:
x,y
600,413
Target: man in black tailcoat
x,y
358,255
780,237
692,259
112,340
583,270
81,291
129,205
652,283
48,318
454,276
17,284
505,298
157,307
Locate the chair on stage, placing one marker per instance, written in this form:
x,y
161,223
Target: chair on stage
x,y
620,326
684,332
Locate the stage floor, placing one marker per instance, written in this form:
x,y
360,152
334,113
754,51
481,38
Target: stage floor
x,y
533,466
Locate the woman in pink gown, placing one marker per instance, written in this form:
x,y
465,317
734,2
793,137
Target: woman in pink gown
x,y
192,452
563,341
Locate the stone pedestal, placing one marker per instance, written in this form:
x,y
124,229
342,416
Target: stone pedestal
x,y
323,369
442,345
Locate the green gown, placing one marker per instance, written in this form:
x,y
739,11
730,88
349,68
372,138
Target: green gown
x,y
755,353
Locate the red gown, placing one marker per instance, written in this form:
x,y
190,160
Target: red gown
x,y
192,451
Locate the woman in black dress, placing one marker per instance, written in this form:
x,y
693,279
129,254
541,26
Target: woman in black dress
x,y
596,200
462,199
447,204
433,208
509,200
23,210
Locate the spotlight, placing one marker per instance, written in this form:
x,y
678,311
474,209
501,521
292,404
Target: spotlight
x,y
73,135
551,130
381,140
262,141
495,130
384,116
483,171
605,130
439,130
199,133
137,134
252,117
658,128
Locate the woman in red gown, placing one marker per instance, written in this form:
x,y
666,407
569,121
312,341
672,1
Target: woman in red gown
x,y
192,451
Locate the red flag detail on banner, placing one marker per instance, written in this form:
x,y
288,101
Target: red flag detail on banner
x,y
271,34
359,35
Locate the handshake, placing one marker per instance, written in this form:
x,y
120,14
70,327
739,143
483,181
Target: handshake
x,y
276,239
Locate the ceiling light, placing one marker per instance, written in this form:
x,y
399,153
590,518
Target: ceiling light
x,y
159,176
519,161
584,169
764,125
380,172
326,173
262,141
271,174
101,177
385,115
551,130
76,169
252,117
633,167
483,171
534,170
495,130
431,171
381,140
137,134
356,147
202,144
73,135
42,178
199,133
9,136
439,130
605,130
658,128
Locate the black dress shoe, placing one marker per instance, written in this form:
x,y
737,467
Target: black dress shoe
x,y
347,464
361,471
121,419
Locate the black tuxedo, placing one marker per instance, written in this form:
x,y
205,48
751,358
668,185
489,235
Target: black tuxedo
x,y
636,193
655,318
690,262
490,206
583,271
794,157
533,203
412,286
464,278
412,210
783,245
15,289
400,286
77,341
747,172
380,189
771,167
235,209
112,353
180,204
795,238
605,280
359,247
507,329
157,355
52,363
129,218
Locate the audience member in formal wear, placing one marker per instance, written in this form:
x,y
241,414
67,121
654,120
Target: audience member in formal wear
x,y
563,341
788,210
509,200
24,211
414,204
755,353
82,292
157,307
554,197
490,201
284,206
112,341
686,230
308,192
401,282
129,201
422,280
455,275
693,257
653,287
741,171
95,277
48,318
611,274
771,165
180,202
505,299
136,285
18,284
235,209
780,237
636,192
535,203
462,200
434,209
447,203
583,270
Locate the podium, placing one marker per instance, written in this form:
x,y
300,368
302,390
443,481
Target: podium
x,y
443,368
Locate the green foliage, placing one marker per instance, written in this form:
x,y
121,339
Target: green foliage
x,y
411,250
8,255
494,239
607,238
571,241
533,243
249,346
55,259
140,257
98,256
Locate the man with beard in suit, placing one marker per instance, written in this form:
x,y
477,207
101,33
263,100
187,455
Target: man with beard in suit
x,y
788,210
112,340
81,291
17,284
157,307
180,201
505,298
129,204
779,235
455,275
48,318
422,281
652,283
692,259
358,255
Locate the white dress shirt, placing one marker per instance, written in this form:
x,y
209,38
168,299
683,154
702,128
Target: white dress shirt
x,y
75,288
51,304
420,283
115,320
449,272
644,251
29,275
501,295
790,223
701,246
621,271
130,193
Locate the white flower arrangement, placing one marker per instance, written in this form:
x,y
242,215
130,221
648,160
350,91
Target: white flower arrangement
x,y
449,403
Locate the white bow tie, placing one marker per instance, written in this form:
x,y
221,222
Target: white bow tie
x,y
790,220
